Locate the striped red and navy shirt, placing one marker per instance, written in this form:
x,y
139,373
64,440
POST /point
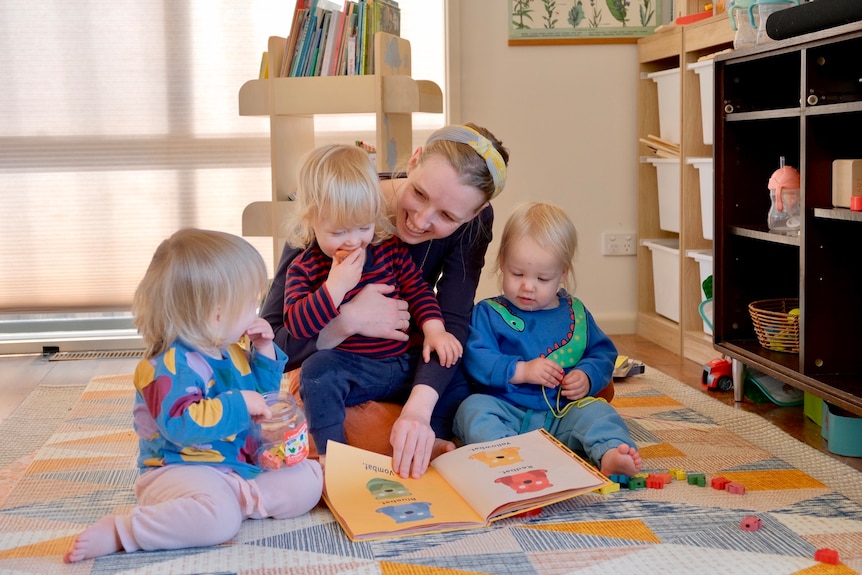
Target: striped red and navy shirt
x,y
308,307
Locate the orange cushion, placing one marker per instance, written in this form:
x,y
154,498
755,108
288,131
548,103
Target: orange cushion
x,y
366,425
369,424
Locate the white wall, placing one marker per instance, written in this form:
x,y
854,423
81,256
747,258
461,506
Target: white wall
x,y
568,116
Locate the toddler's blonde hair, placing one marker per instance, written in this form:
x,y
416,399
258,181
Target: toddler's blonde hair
x,y
337,182
550,227
192,274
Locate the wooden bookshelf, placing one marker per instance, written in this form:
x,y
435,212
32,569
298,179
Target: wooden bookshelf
x,y
291,103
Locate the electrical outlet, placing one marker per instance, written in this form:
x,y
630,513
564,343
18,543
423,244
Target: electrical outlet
x,y
619,243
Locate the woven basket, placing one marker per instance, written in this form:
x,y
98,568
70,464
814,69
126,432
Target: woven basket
x,y
776,328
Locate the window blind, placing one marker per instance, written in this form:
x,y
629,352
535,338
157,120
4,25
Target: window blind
x,y
119,124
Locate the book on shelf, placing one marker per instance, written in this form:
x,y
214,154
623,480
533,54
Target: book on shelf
x,y
310,62
360,32
264,66
319,42
347,29
467,488
335,20
351,55
297,41
386,17
304,43
299,14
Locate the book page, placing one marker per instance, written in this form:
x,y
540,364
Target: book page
x,y
514,474
371,501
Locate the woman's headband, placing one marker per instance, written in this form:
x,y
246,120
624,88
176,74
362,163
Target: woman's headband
x,y
482,146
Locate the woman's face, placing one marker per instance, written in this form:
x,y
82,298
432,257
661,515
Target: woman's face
x,y
433,203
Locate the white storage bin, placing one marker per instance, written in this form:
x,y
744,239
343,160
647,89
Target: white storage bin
x,y
668,103
667,177
665,274
704,258
705,72
704,167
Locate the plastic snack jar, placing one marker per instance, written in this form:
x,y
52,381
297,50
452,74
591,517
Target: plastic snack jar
x,y
283,438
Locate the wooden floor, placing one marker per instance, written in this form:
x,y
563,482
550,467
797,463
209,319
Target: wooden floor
x,y
20,374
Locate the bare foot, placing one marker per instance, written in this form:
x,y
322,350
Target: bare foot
x,y
96,540
623,460
440,447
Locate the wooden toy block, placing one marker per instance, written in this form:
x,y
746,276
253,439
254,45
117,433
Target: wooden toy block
x,y
608,489
751,523
698,479
654,482
719,483
735,488
621,479
677,473
637,483
826,555
530,513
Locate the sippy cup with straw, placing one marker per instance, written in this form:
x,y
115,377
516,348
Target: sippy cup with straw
x,y
784,210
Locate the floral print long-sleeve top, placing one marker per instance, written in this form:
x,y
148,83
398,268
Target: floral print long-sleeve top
x,y
189,409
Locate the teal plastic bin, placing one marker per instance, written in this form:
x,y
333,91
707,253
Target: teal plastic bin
x,y
841,430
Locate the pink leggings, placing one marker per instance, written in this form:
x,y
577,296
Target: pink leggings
x,y
199,505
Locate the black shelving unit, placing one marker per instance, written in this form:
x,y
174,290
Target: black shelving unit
x,y
799,98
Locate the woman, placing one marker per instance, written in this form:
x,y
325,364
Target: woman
x,y
441,208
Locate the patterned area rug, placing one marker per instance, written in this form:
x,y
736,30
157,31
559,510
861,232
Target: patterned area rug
x,y
83,465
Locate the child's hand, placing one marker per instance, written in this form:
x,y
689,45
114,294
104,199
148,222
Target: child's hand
x,y
256,405
261,336
540,371
437,339
345,273
575,385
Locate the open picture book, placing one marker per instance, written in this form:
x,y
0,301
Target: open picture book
x,y
467,488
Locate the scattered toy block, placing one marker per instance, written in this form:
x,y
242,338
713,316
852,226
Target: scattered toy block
x,y
698,479
677,473
268,460
664,477
530,513
642,474
608,489
621,479
719,483
751,523
654,482
826,555
735,488
637,482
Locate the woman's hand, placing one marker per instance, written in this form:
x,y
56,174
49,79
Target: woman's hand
x,y
260,334
373,314
412,438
